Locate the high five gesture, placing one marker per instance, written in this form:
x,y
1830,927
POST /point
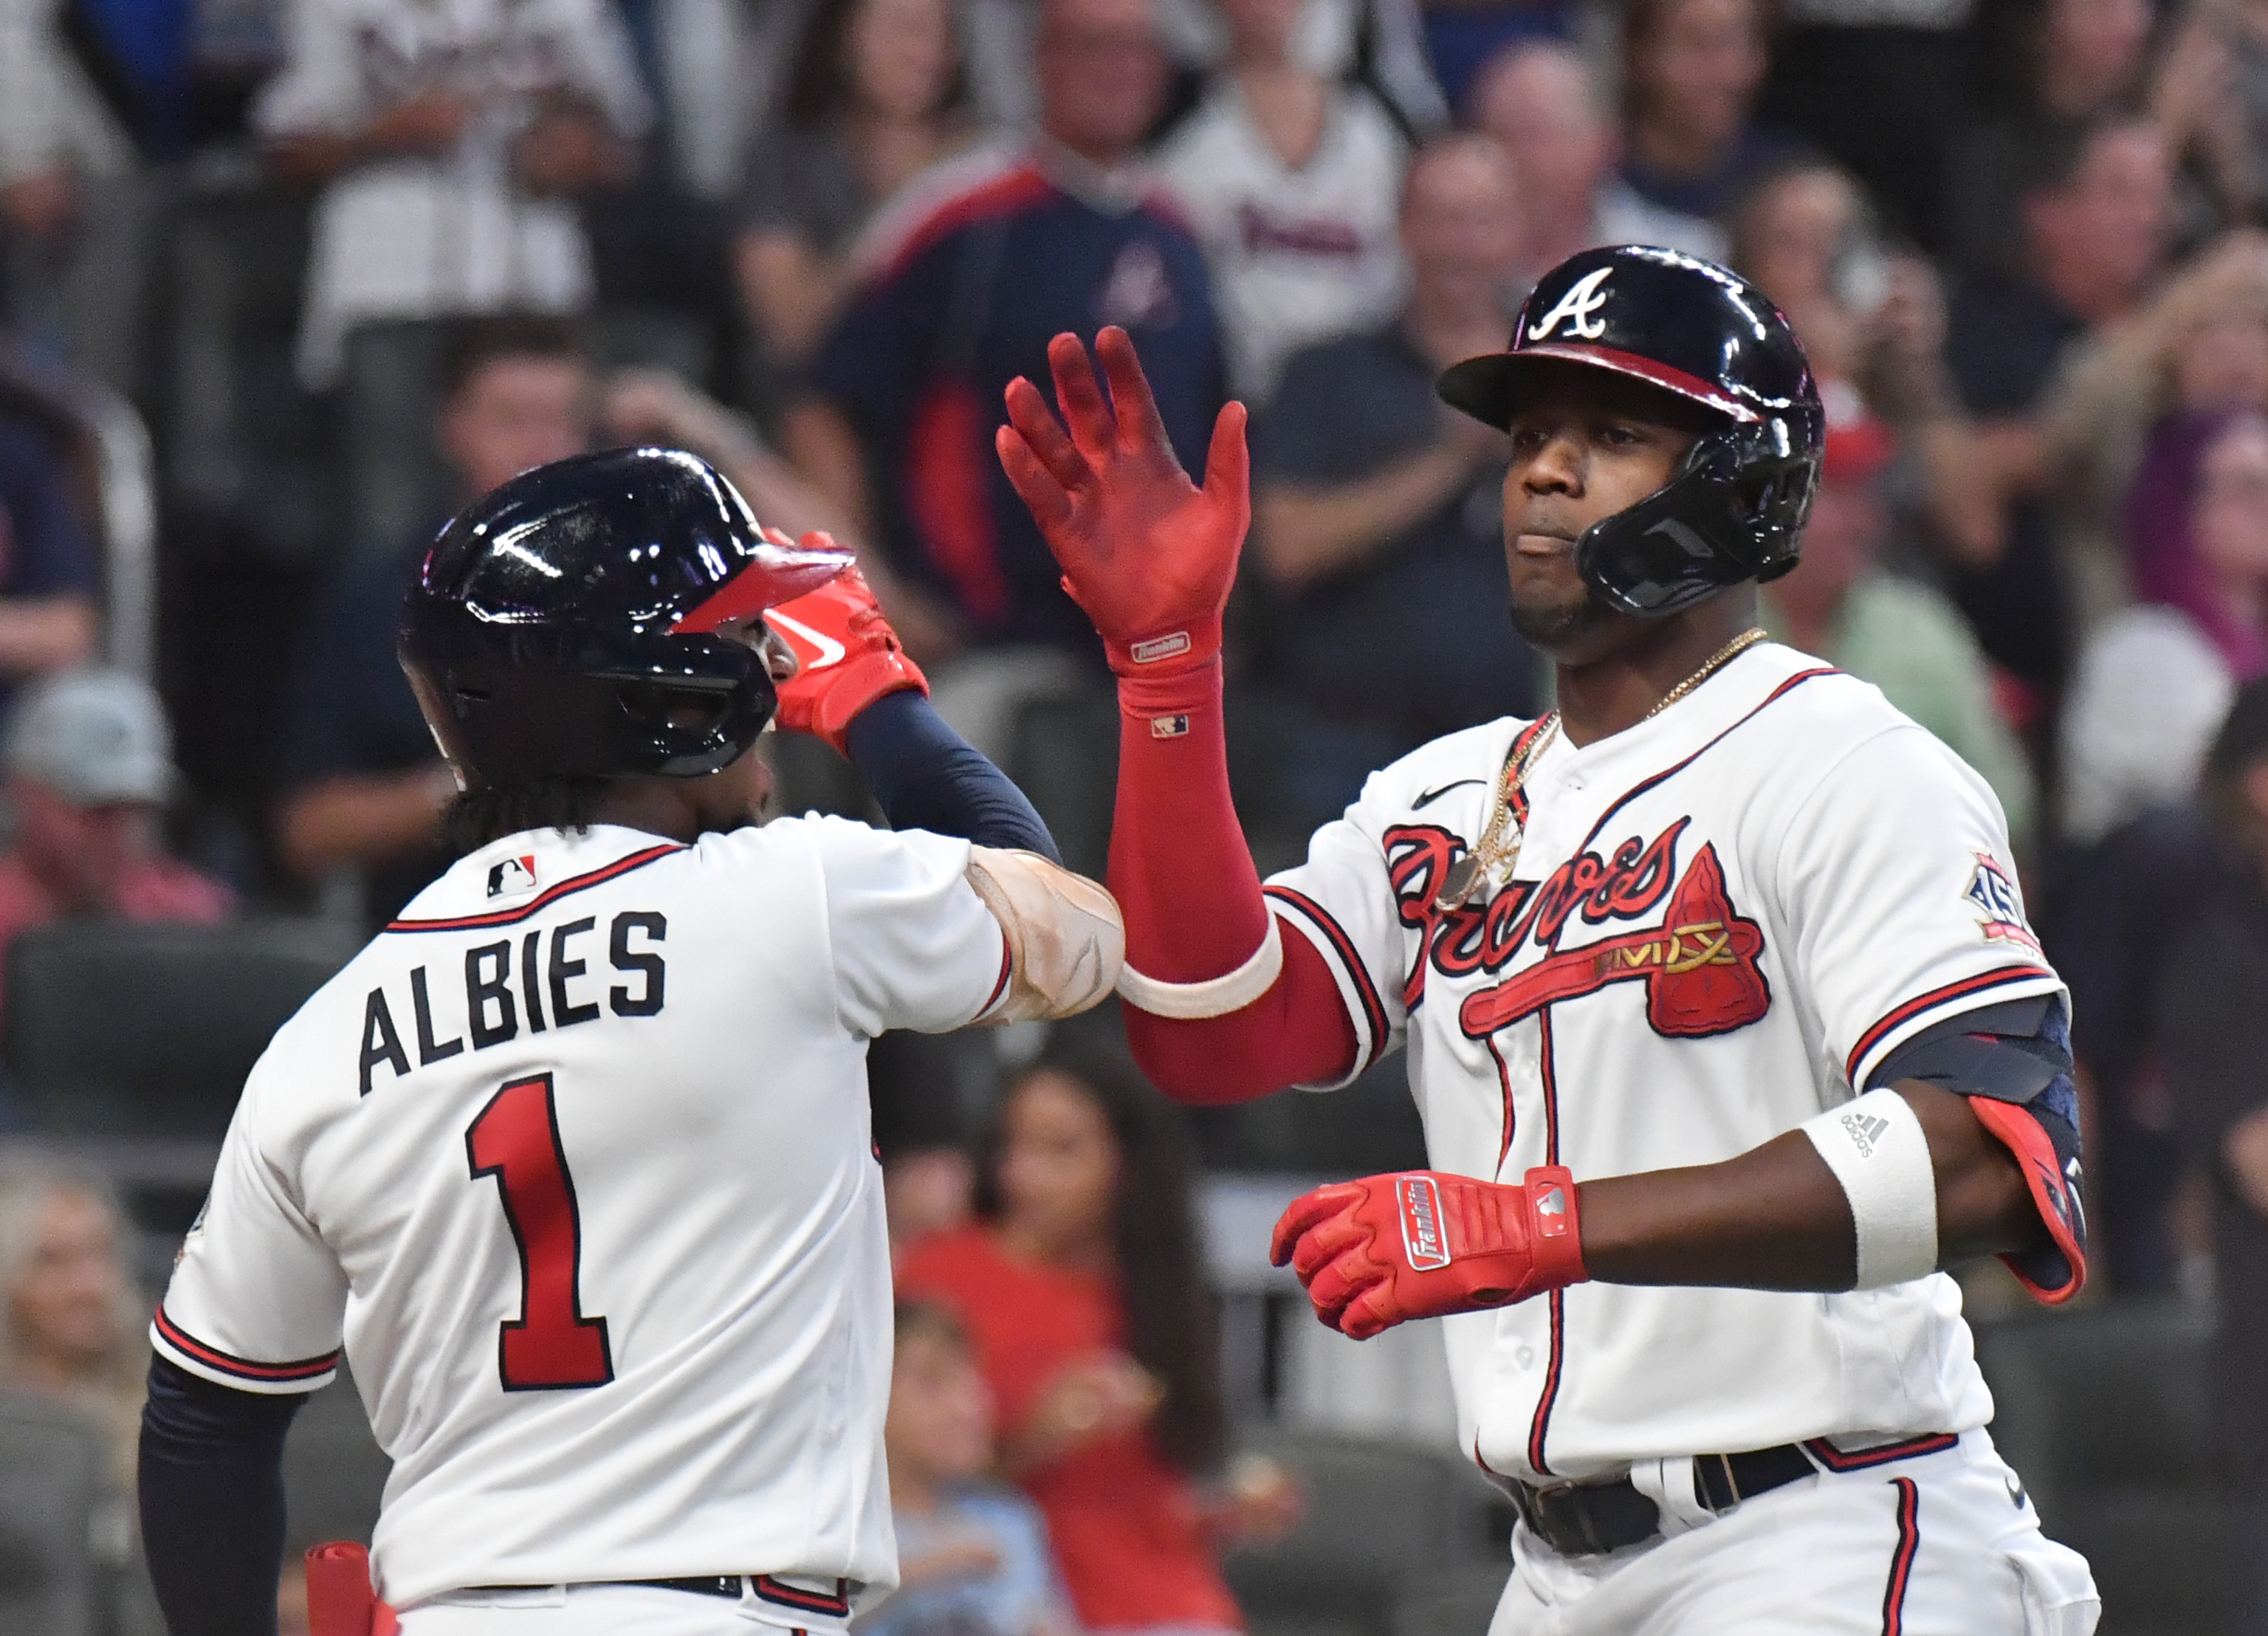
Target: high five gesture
x,y
1148,554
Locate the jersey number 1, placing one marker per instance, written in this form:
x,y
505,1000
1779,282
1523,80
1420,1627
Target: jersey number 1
x,y
551,1344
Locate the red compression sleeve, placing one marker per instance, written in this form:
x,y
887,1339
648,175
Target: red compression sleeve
x,y
1183,876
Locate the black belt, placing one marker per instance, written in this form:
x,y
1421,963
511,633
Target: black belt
x,y
1587,1519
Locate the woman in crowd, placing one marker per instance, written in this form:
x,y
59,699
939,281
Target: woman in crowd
x,y
1690,71
70,1323
877,96
2154,681
1083,1288
1873,321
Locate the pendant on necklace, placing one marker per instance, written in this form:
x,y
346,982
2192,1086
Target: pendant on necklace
x,y
1466,875
1457,888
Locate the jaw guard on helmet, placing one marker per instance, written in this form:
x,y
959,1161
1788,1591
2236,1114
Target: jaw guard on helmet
x,y
1737,508
564,625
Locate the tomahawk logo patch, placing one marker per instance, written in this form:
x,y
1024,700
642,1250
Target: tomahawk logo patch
x,y
1584,298
512,876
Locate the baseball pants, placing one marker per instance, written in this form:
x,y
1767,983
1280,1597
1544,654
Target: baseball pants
x,y
593,1610
1943,1544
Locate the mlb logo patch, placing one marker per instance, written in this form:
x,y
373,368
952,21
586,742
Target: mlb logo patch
x,y
511,876
1424,1242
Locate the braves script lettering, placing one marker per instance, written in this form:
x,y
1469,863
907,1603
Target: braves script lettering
x,y
1700,965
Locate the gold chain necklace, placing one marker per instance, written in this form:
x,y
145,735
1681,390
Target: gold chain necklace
x,y
1710,666
1498,853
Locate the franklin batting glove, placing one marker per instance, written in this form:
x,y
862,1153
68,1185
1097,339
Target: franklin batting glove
x,y
1422,1244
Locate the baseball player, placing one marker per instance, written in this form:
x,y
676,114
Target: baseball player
x,y
1723,1016
573,1159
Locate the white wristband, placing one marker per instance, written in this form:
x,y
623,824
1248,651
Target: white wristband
x,y
1216,996
1876,1150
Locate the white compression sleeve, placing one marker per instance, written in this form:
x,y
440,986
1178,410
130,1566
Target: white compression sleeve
x,y
1875,1147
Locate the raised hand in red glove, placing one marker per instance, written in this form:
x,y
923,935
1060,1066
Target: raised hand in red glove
x,y
847,657
1420,1245
1149,555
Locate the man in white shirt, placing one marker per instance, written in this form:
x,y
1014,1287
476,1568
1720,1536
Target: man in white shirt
x,y
1539,99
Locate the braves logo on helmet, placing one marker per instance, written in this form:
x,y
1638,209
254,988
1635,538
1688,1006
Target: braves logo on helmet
x,y
1583,299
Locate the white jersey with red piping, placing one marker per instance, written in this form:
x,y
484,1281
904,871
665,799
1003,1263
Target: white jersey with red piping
x,y
575,1161
1721,921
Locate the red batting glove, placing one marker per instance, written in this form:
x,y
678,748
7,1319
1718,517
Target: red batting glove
x,y
1149,555
847,657
1421,1244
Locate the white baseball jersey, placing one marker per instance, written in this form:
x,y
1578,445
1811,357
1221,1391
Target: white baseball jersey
x,y
575,1157
1721,921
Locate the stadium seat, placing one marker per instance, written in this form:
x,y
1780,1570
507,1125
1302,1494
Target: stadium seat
x,y
65,1529
116,1029
2105,1415
1380,1517
1460,1603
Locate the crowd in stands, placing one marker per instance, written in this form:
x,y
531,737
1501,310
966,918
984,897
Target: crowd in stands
x,y
2025,243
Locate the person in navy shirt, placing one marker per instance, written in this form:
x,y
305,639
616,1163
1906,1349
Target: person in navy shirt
x,y
48,617
963,283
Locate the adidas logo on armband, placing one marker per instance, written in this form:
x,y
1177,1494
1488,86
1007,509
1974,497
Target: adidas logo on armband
x,y
1865,1130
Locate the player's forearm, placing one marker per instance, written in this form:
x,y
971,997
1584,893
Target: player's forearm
x,y
211,1481
927,777
1776,1217
1185,880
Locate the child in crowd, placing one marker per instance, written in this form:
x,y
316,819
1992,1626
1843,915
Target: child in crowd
x,y
973,1559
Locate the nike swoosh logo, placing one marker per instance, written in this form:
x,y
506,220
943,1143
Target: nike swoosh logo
x,y
830,651
1436,793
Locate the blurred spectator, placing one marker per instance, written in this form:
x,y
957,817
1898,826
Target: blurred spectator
x,y
448,140
1873,325
2153,683
1084,1293
1376,512
877,96
71,1320
1541,100
1882,86
1897,633
2201,344
961,287
48,618
2067,63
973,1559
1690,72
365,785
2111,911
2211,1003
1291,183
2093,241
1461,35
89,761
71,218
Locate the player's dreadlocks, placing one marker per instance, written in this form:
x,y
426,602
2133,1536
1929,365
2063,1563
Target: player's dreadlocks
x,y
482,814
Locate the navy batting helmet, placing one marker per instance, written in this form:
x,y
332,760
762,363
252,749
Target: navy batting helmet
x,y
1736,507
565,624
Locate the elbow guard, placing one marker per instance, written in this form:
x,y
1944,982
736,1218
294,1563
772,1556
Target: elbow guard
x,y
2012,1062
1066,940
